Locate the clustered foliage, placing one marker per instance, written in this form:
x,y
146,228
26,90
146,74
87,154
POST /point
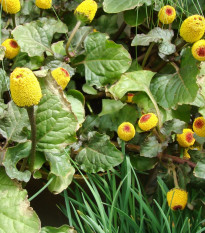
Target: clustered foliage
x,y
93,74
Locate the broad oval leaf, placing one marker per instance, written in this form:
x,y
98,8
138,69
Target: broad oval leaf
x,y
199,170
62,229
150,147
99,154
179,88
105,61
16,216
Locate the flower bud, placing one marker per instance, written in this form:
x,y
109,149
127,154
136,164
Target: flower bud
x,y
167,14
177,198
148,121
61,76
126,131
12,48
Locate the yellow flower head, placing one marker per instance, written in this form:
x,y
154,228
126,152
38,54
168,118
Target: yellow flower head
x,y
126,131
192,29
199,126
25,88
12,48
11,6
130,97
148,121
44,4
186,154
61,76
167,14
198,50
86,11
177,198
186,139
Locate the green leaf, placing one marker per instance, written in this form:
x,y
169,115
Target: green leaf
x,y
115,6
35,38
133,81
110,106
12,156
105,61
2,52
150,147
199,170
62,229
12,124
175,126
62,171
135,17
142,163
16,214
99,154
77,108
55,121
58,49
179,88
4,82
89,89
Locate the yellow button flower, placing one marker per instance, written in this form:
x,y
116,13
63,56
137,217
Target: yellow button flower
x,y
25,88
198,50
192,29
148,121
11,6
44,4
167,14
199,126
177,198
12,48
186,155
86,11
61,76
130,97
186,139
126,131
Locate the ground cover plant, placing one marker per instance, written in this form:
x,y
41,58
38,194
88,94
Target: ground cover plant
x,y
87,81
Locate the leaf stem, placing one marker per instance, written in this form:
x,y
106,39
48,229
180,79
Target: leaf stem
x,y
147,54
156,107
13,16
32,119
71,37
41,12
41,190
123,147
175,177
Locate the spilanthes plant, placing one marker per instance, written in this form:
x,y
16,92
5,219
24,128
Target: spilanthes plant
x,y
61,76
44,4
126,131
177,198
192,29
167,14
198,50
148,121
186,138
199,126
12,48
11,6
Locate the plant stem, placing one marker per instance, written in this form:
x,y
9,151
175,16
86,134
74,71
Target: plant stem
x,y
175,178
147,54
155,106
123,147
41,12
41,190
13,20
71,37
32,119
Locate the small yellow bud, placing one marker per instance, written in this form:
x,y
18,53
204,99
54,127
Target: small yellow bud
x,y
167,14
126,131
25,88
192,29
198,50
61,76
186,155
86,11
148,121
12,48
11,6
130,97
186,139
44,4
199,126
177,198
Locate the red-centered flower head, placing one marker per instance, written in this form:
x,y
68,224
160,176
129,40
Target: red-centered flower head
x,y
186,139
12,48
148,121
167,14
198,50
126,131
199,126
130,97
177,198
